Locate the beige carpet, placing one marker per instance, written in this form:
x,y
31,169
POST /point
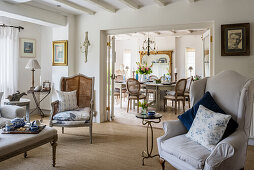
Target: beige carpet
x,y
121,115
116,147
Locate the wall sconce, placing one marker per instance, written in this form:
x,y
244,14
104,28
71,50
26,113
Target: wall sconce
x,y
84,46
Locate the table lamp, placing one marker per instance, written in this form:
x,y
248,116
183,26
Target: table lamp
x,y
32,65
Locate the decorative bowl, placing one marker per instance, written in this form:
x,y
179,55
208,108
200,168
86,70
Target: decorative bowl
x,y
34,128
151,113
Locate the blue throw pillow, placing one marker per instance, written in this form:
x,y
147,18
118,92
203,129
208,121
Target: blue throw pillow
x,y
207,100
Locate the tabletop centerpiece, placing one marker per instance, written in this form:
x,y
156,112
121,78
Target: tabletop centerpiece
x,y
143,70
144,107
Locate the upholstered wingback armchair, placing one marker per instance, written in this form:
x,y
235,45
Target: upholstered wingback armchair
x,y
84,87
234,94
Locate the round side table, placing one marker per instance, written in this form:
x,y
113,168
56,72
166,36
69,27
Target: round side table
x,y
149,120
21,102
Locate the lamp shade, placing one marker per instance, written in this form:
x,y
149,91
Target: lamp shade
x,y
33,64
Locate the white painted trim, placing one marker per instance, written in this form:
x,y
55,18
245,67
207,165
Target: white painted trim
x,y
75,6
160,2
130,4
32,14
251,141
103,5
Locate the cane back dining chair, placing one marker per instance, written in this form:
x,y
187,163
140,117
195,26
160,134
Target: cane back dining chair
x,y
133,88
84,87
177,95
187,89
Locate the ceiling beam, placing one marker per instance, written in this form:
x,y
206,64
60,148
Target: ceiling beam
x,y
75,6
160,2
104,5
130,3
31,14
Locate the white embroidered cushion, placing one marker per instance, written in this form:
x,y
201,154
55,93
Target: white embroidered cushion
x,y
208,127
67,100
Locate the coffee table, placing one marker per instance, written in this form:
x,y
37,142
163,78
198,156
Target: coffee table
x,y
149,120
15,144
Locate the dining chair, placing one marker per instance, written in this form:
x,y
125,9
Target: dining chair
x,y
133,89
117,90
187,89
177,95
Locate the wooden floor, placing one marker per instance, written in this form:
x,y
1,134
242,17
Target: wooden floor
x,y
116,146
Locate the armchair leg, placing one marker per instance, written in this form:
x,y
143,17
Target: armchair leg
x,y
91,134
162,162
62,130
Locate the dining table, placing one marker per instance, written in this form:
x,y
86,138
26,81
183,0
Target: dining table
x,y
160,91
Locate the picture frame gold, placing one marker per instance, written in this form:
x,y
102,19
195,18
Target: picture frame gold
x,y
60,53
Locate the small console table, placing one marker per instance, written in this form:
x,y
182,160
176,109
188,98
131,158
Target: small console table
x,y
37,102
149,120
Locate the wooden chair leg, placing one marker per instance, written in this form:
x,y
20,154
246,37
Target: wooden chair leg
x,y
184,104
189,100
162,162
175,106
62,130
91,134
128,105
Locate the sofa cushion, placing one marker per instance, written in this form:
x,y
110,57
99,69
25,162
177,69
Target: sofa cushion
x,y
67,100
207,100
74,115
186,150
208,127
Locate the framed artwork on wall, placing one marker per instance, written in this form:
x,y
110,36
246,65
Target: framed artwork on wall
x,y
27,48
60,53
235,39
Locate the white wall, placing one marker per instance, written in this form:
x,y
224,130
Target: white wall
x,y
180,12
189,41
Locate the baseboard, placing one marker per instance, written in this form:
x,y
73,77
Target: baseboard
x,y
251,141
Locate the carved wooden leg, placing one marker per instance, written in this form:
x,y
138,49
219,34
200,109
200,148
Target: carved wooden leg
x,y
162,162
62,130
128,105
189,101
25,154
54,144
184,104
91,134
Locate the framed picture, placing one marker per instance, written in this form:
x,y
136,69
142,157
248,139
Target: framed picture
x,y
60,53
27,48
235,39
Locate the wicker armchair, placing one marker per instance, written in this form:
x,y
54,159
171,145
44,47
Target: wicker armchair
x,y
85,101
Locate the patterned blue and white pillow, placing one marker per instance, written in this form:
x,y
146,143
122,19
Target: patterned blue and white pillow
x,y
67,100
208,127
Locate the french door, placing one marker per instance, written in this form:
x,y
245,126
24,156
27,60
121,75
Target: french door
x,y
111,60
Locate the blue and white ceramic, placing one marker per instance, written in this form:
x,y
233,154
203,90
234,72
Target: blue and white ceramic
x,y
18,122
34,128
151,113
9,127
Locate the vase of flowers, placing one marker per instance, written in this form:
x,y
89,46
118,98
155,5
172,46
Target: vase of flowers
x,y
144,107
143,70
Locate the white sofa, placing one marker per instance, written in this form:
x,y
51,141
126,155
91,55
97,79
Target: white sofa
x,y
9,112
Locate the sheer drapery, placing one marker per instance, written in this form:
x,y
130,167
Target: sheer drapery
x,y
9,50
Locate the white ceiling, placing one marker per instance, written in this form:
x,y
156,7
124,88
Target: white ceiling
x,y
74,7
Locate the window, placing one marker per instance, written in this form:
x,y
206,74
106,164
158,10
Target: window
x,y
189,62
127,62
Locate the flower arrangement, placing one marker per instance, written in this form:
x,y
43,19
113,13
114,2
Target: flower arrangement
x,y
143,105
144,69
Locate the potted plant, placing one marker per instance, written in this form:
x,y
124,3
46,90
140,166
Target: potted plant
x,y
143,69
144,107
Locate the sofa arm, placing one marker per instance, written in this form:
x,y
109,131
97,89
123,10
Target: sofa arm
x,y
226,148
54,110
11,112
172,128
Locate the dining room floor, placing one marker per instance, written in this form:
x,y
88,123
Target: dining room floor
x,y
121,115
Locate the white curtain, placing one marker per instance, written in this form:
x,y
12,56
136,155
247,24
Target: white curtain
x,y
9,51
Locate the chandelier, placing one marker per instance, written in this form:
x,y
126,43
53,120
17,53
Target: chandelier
x,y
149,45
